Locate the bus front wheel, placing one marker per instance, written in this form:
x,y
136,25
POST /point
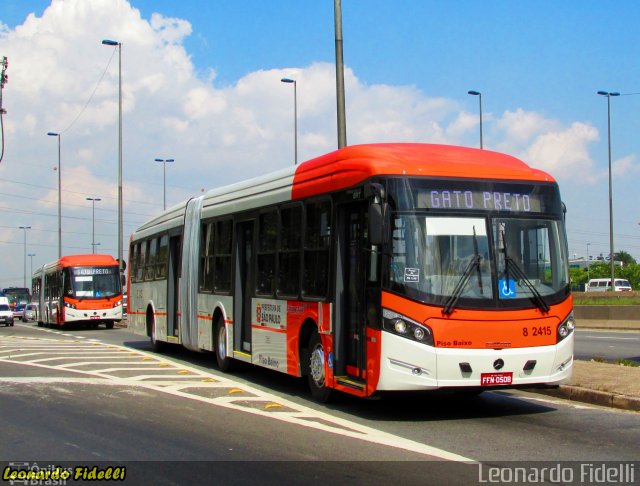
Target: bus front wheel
x,y
316,375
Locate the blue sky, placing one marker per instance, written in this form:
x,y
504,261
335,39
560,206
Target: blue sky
x,y
201,84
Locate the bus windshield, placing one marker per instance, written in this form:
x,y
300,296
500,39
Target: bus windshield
x,y
435,258
16,295
92,282
480,244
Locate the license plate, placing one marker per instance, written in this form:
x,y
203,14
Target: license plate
x,y
496,379
94,318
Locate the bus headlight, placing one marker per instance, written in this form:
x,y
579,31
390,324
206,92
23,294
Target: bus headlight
x,y
405,327
69,305
400,326
117,304
566,327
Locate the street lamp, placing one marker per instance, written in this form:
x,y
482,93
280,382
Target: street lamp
x,y
117,44
31,255
479,95
611,255
295,115
588,263
53,134
93,220
164,179
24,279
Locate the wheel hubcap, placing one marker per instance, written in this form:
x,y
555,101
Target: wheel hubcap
x,y
222,342
316,365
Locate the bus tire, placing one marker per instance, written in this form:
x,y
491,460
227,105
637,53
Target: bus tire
x,y
315,365
156,345
109,325
225,363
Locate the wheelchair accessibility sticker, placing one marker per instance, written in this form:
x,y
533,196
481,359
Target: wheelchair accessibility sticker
x,y
507,289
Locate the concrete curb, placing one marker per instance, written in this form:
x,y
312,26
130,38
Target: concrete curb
x,y
595,397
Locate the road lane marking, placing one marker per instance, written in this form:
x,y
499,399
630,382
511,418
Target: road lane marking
x,y
179,379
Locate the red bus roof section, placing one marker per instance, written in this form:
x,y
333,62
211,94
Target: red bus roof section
x,y
87,260
351,165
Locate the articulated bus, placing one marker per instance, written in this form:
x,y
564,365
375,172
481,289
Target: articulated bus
x,y
373,268
79,289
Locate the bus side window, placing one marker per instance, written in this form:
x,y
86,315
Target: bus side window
x,y
317,236
150,268
161,259
206,257
142,254
222,249
267,239
289,251
133,264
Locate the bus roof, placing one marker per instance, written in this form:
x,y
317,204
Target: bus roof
x,y
82,261
348,167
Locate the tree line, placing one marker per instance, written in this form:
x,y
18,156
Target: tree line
x,y
629,270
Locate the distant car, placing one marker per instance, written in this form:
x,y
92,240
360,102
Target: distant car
x,y
604,285
30,313
6,315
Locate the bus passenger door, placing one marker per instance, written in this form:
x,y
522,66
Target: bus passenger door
x,y
243,286
352,295
173,284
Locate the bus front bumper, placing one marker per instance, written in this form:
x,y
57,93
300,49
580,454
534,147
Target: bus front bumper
x,y
99,315
409,365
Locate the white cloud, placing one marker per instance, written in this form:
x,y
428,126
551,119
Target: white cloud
x,y
625,166
565,153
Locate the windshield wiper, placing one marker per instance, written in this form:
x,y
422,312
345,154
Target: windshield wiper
x,y
457,291
510,262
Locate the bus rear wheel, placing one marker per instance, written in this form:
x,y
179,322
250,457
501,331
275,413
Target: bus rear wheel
x,y
316,375
225,363
156,346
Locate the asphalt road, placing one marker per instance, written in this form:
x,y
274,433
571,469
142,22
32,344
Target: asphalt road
x,y
607,345
63,399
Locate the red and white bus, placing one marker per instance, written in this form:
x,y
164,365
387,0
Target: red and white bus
x,y
79,289
372,268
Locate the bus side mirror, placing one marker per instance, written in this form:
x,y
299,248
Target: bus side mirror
x,y
377,223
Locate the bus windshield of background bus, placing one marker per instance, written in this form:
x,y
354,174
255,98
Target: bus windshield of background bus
x,y
432,255
92,282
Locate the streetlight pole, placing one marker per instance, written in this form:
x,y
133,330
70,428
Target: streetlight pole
x,y
31,255
611,254
24,279
479,95
588,263
164,180
93,222
340,96
295,116
53,134
107,42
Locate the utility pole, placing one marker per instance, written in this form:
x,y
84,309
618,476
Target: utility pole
x,y
342,121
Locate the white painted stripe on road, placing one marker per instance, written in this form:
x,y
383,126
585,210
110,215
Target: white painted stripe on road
x,y
301,415
611,338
